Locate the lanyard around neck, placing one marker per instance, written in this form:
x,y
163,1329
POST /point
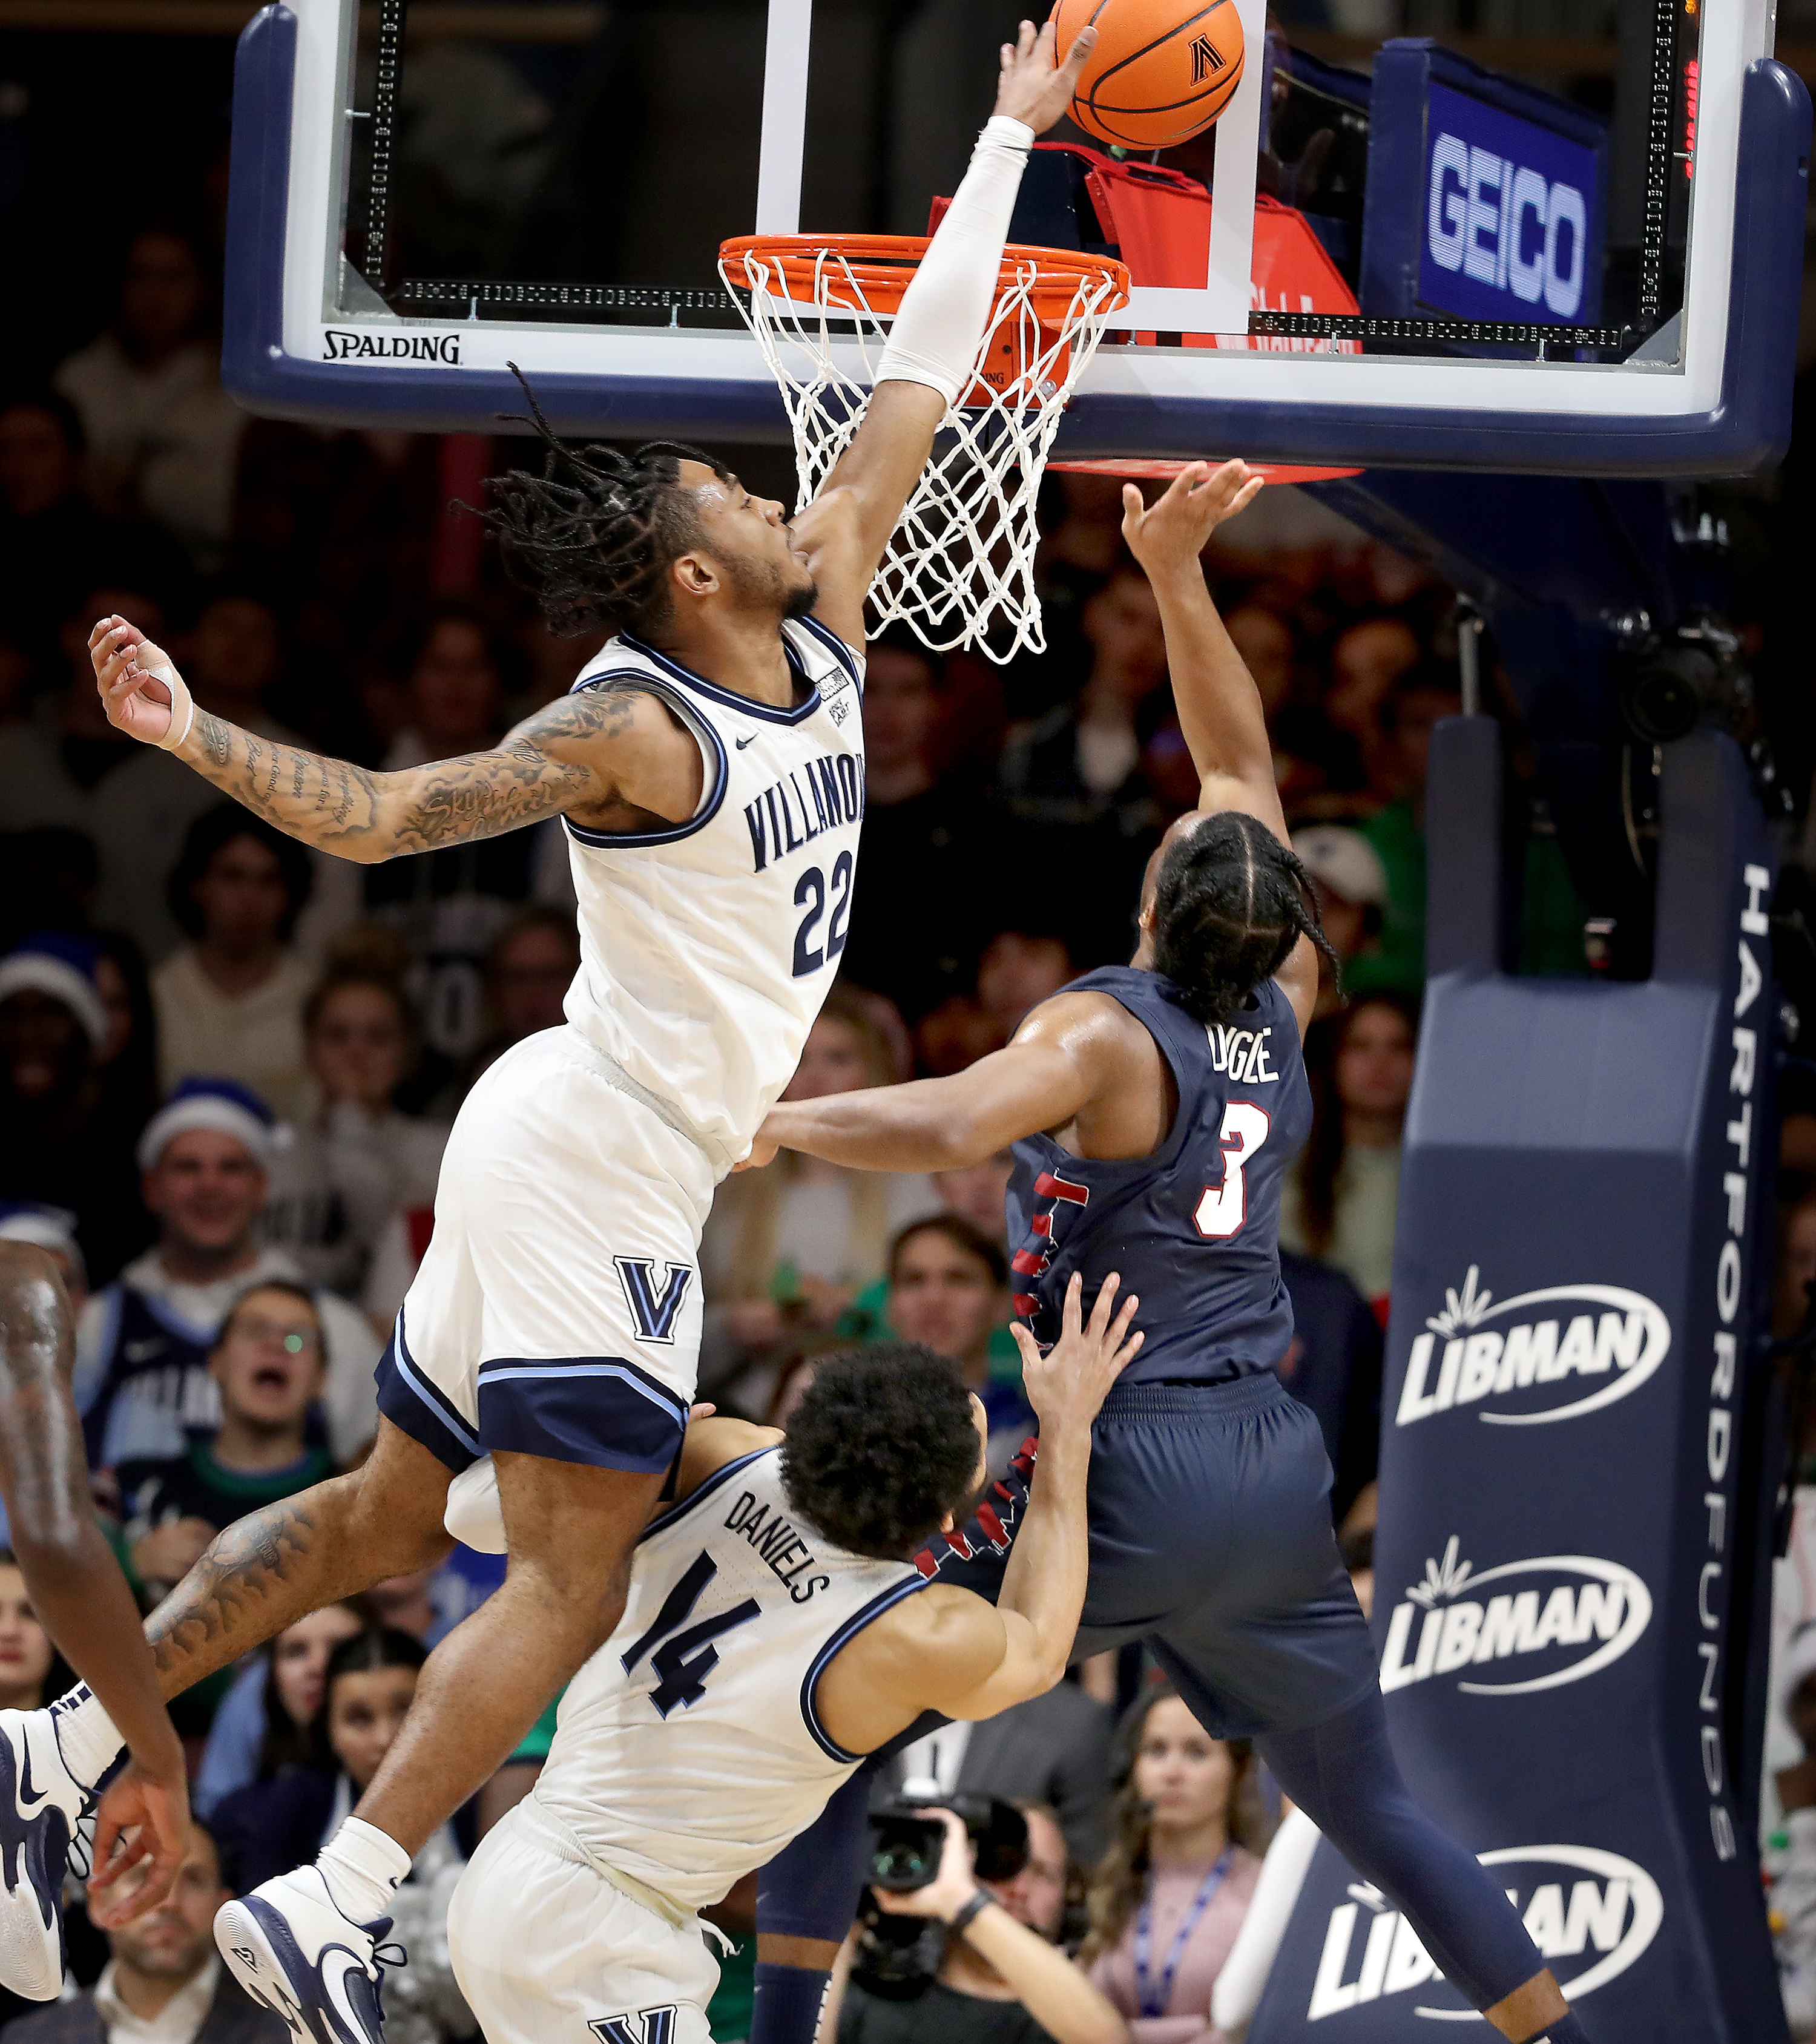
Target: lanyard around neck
x,y
1155,1998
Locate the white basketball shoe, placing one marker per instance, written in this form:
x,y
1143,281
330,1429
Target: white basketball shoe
x,y
41,1805
291,1949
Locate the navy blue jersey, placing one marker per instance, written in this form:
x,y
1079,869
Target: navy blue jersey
x,y
1193,1227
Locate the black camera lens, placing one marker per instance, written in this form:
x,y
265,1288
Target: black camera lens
x,y
905,1851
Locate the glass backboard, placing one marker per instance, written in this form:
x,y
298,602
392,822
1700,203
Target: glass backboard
x,y
1423,242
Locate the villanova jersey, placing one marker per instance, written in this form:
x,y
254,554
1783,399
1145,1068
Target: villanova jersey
x,y
707,946
688,1750
1193,1227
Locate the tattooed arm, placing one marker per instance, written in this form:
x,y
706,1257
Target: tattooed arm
x,y
613,757
75,1585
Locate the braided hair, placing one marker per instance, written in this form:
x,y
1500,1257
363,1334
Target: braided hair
x,y
593,537
1230,902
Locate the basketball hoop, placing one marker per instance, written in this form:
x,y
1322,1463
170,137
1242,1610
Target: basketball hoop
x,y
961,561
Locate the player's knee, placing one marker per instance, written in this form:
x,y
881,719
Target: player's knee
x,y
584,1584
28,1286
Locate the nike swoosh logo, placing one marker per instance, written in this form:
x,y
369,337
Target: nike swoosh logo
x,y
743,741
27,1802
338,1965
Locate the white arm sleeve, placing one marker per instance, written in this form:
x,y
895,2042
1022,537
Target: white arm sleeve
x,y
935,336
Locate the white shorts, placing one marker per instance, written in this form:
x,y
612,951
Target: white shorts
x,y
544,1948
557,1311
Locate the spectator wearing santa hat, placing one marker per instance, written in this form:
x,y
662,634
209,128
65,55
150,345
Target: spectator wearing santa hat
x,y
58,1147
142,1379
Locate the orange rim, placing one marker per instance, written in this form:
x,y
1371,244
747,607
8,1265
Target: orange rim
x,y
883,266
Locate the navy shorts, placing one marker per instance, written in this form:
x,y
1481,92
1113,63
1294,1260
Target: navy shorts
x,y
1210,1541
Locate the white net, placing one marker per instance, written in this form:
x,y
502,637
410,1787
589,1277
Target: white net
x,y
959,567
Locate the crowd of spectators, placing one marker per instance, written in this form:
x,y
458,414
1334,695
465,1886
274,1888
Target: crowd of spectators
x,y
228,1068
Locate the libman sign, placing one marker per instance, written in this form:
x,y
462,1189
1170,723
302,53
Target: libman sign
x,y
1591,1913
1534,1358
1516,1627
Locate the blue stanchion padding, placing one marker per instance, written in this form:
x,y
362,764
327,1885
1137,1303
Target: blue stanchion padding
x,y
1569,1573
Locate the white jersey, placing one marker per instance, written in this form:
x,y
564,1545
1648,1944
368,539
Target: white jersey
x,y
687,1751
706,948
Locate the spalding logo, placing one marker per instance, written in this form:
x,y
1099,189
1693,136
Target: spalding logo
x,y
1616,1340
1571,1898
1588,1611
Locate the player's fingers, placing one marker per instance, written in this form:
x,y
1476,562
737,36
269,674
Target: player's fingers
x,y
1026,38
156,1880
1249,491
1025,1342
1112,1340
1106,1299
1126,1355
106,1837
1084,42
1072,1316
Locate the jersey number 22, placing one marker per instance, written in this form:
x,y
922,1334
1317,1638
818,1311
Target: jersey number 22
x,y
1223,1208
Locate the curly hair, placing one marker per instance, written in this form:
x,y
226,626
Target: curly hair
x,y
593,537
881,1448
1230,902
1121,1878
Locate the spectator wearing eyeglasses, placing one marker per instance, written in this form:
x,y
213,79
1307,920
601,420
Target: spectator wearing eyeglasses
x,y
269,1363
142,1382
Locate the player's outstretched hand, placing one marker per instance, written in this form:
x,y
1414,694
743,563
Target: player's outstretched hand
x,y
1172,533
141,1831
1067,1384
127,672
1033,89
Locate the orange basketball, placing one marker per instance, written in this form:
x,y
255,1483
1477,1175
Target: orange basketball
x,y
1162,69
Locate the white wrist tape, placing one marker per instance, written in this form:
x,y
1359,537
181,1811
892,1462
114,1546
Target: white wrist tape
x,y
155,660
934,338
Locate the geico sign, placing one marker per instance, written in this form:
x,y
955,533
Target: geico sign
x,y
1558,1619
1533,1350
1506,225
1571,1899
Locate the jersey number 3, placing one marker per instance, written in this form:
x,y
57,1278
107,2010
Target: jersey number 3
x,y
1223,1208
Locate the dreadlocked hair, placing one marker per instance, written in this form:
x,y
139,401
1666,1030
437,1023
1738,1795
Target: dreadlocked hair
x,y
1230,902
593,537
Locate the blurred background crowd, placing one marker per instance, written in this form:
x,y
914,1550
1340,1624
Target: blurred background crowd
x,y
228,1067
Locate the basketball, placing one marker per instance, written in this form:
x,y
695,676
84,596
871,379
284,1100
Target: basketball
x,y
1162,69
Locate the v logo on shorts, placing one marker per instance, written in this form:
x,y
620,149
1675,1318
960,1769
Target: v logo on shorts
x,y
636,2026
654,1312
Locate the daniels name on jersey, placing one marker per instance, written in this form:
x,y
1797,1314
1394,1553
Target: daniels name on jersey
x,y
707,946
689,1750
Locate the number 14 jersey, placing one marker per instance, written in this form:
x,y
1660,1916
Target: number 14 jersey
x,y
1194,1226
689,1750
